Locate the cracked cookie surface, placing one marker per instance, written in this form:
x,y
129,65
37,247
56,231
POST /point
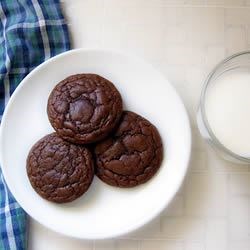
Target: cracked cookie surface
x,y
84,108
59,171
131,155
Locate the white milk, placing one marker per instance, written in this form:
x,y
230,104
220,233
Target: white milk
x,y
227,106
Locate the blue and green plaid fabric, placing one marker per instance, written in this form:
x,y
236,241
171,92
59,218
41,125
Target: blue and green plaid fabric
x,y
31,31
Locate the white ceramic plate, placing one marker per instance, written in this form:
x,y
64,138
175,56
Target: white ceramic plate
x,y
104,211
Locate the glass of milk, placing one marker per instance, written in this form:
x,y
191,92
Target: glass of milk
x,y
224,111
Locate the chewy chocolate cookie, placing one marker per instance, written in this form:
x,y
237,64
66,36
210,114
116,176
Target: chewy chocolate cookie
x,y
131,155
59,171
84,108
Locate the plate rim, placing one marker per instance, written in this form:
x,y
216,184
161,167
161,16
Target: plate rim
x,y
155,212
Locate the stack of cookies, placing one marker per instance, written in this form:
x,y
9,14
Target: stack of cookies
x,y
93,136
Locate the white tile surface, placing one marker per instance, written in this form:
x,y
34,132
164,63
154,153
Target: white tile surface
x,y
187,228
239,218
214,54
176,208
184,39
105,245
227,2
194,246
216,234
236,39
206,195
127,244
198,161
161,245
237,16
239,245
41,238
239,184
150,231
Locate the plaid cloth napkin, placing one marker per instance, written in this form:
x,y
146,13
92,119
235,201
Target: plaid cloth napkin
x,y
31,31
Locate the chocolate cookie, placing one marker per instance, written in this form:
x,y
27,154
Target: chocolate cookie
x,y
59,171
130,156
84,108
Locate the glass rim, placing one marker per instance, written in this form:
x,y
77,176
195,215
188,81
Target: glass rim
x,y
214,140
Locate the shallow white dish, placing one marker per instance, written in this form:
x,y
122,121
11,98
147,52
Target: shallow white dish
x,y
104,211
